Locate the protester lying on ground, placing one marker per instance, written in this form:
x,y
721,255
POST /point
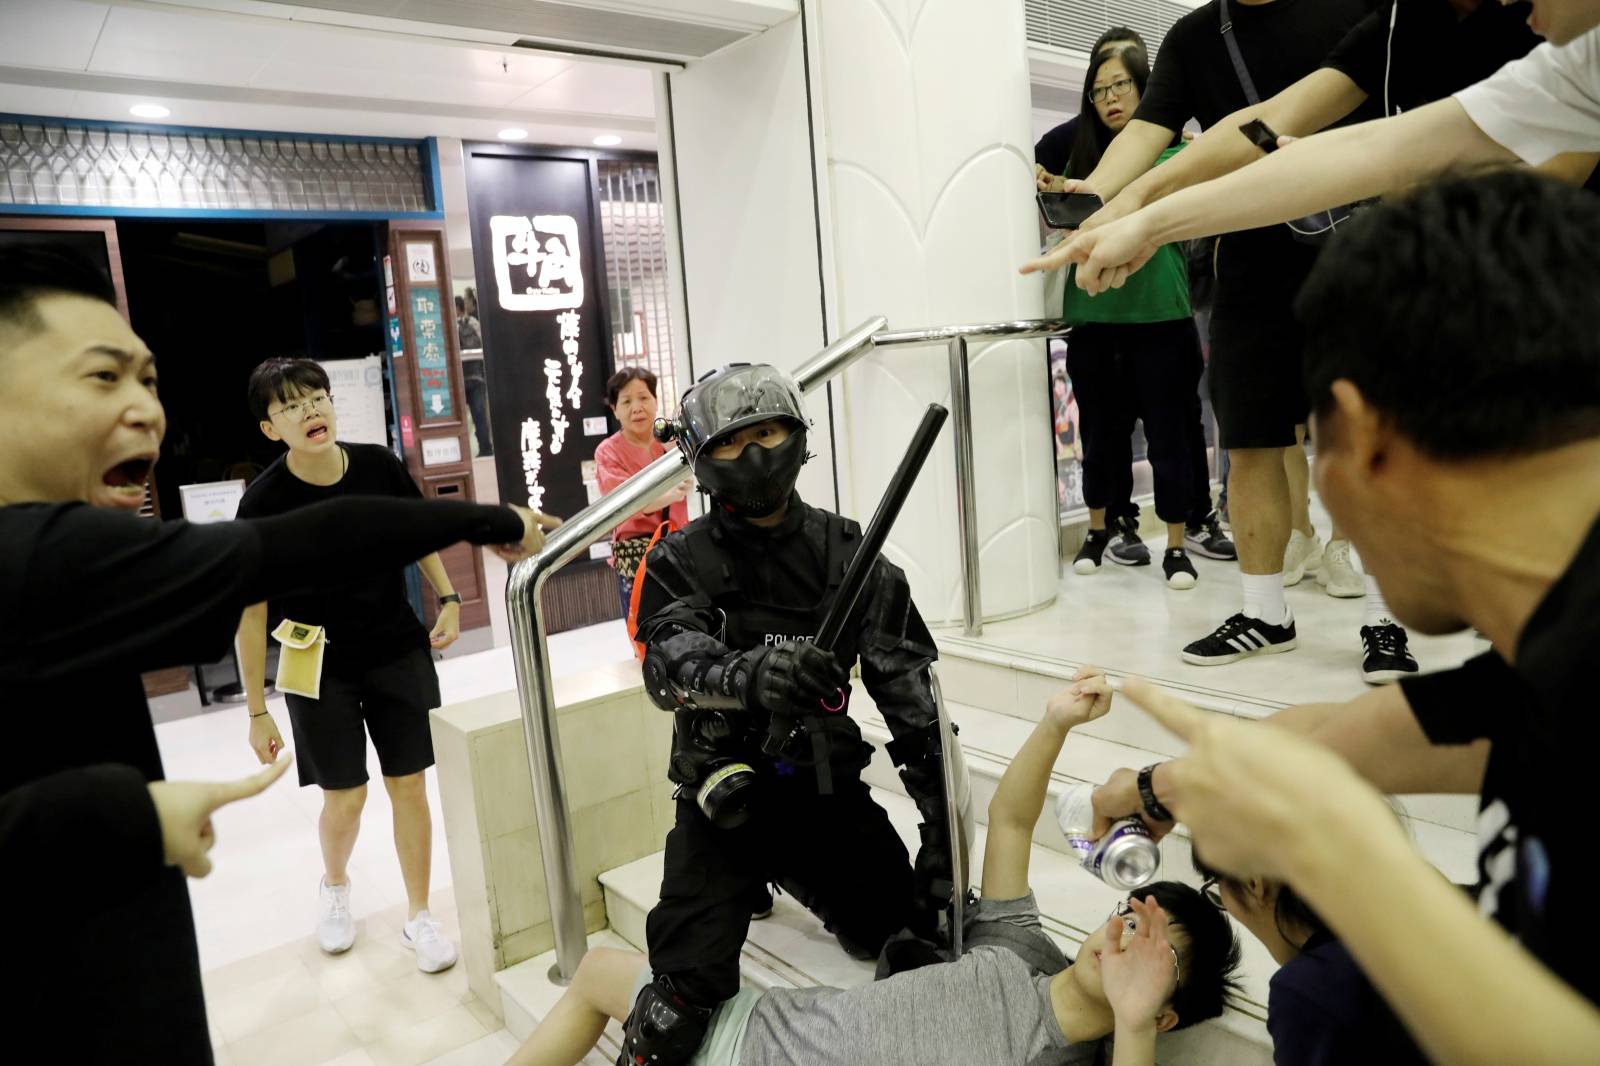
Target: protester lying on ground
x,y
1164,960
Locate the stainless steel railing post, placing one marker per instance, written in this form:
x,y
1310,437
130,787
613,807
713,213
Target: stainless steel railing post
x,y
966,489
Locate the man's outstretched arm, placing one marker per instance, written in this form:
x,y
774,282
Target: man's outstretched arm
x,y
1312,174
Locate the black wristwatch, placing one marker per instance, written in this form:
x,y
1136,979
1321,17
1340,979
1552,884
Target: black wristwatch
x,y
454,597
1147,796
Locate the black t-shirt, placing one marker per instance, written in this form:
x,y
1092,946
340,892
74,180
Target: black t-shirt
x,y
1322,1011
1433,52
1542,719
100,596
1281,42
366,619
1055,147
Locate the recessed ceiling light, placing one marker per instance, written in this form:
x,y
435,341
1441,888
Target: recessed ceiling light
x,y
513,134
149,111
607,140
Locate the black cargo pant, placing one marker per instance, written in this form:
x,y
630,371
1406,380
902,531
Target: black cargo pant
x,y
837,854
1150,372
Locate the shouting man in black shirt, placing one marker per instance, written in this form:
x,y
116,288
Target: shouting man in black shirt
x,y
376,674
1466,474
99,595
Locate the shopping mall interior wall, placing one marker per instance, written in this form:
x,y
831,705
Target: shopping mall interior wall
x,y
749,218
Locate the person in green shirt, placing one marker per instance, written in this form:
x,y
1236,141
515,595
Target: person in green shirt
x,y
1134,354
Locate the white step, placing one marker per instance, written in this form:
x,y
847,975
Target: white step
x,y
1072,902
989,740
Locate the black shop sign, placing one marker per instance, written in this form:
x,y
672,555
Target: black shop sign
x,y
540,268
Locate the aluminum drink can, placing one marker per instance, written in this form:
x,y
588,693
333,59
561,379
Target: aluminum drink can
x,y
1127,857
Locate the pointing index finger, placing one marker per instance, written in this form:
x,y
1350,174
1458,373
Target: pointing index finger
x,y
245,787
1163,706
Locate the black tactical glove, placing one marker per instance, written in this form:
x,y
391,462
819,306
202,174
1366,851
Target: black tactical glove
x,y
793,678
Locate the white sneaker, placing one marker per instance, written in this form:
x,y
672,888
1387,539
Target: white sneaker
x,y
434,952
336,929
1302,555
1337,574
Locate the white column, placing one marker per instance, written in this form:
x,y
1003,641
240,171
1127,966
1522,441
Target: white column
x,y
925,110
893,175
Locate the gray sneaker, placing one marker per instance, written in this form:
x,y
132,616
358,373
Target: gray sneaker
x,y
1126,549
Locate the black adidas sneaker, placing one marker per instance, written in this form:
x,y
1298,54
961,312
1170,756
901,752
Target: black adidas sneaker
x,y
1179,570
1239,638
1383,654
1087,561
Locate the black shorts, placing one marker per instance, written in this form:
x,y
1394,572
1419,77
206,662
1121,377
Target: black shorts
x,y
1257,345
389,700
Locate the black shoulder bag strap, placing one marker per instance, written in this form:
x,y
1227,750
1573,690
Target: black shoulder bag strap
x,y
1313,228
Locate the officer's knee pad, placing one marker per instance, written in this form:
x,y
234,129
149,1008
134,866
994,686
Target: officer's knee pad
x,y
663,1029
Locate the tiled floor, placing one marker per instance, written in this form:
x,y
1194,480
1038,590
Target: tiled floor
x,y
273,997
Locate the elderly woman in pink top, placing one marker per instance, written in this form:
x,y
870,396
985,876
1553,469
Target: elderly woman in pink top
x,y
631,395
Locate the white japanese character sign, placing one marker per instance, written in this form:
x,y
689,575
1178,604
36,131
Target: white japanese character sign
x,y
537,262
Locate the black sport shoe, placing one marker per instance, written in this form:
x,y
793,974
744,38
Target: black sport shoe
x,y
1087,561
762,907
1207,538
1239,638
1179,570
1126,547
1384,656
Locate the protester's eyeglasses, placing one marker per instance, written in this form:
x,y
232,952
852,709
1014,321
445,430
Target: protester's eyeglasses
x,y
1120,87
1130,922
1212,891
300,410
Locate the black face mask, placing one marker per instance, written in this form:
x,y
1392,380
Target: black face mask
x,y
758,480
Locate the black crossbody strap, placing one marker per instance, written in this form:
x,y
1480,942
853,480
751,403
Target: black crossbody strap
x,y
1239,69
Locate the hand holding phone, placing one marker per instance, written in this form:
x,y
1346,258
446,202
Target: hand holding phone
x,y
1068,210
1261,135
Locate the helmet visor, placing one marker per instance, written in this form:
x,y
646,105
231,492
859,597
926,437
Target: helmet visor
x,y
732,399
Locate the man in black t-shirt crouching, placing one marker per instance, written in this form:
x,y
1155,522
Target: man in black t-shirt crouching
x,y
376,675
1466,475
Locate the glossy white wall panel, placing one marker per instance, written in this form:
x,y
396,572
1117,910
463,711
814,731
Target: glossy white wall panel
x,y
748,218
926,118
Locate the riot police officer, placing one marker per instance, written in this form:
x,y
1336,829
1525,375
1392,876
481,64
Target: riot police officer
x,y
766,758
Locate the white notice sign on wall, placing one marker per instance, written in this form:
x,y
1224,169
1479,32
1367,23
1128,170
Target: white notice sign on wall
x,y
419,264
357,386
439,450
211,501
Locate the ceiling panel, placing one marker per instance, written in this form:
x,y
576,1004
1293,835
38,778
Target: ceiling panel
x,y
391,83
36,100
236,115
596,88
49,33
173,45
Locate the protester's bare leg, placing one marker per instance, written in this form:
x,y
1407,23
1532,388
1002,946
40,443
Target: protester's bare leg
x,y
1298,470
1258,495
337,829
599,991
413,836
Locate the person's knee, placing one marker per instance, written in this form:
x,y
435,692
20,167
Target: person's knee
x,y
344,803
412,787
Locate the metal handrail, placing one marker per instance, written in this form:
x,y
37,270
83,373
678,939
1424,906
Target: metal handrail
x,y
531,652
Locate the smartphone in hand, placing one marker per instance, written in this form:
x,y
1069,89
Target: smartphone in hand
x,y
1067,210
1261,135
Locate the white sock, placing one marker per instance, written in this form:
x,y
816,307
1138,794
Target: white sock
x,y
1377,608
1264,599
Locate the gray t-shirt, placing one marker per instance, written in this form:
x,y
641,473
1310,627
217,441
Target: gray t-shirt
x,y
990,1006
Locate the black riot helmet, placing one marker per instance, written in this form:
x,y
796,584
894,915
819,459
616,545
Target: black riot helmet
x,y
758,480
